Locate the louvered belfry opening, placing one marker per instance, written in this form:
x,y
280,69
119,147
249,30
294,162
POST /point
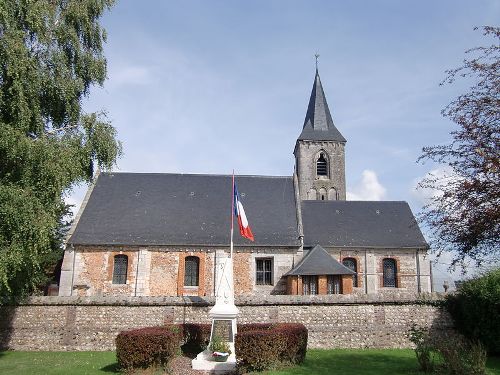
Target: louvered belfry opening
x,y
192,271
322,166
120,269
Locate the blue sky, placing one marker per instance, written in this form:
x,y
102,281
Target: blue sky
x,y
212,86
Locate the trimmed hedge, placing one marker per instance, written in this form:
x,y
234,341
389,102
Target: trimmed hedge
x,y
258,346
265,346
475,309
145,347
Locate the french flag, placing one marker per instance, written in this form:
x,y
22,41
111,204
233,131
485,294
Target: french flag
x,y
245,230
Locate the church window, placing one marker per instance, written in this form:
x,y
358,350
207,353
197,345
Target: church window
x,y
264,271
333,284
191,271
351,264
120,269
309,285
322,166
389,273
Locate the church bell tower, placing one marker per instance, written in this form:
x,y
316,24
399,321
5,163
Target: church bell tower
x,y
319,152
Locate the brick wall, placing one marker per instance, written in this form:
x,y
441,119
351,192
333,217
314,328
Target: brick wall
x,y
335,321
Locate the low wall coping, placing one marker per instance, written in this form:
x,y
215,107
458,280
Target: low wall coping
x,y
371,299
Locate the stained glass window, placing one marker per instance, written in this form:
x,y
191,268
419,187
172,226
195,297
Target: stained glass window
x,y
120,269
389,272
351,264
191,271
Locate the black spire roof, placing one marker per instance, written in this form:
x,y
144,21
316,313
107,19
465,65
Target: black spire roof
x,y
318,262
318,124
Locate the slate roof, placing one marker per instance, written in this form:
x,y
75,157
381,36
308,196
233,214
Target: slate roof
x,y
318,262
360,224
186,209
318,124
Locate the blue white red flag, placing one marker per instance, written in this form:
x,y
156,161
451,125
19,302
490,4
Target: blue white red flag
x,y
245,230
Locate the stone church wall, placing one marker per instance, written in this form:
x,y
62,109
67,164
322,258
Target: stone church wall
x,y
159,272
369,268
340,321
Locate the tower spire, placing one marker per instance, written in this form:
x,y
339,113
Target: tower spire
x,y
318,124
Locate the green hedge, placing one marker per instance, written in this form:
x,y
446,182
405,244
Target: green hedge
x,y
264,346
145,347
475,309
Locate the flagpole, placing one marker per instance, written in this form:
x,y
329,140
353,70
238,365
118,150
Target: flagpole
x,y
232,217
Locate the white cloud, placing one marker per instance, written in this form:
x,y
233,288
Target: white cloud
x,y
369,189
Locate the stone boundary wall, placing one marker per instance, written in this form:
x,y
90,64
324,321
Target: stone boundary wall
x,y
335,321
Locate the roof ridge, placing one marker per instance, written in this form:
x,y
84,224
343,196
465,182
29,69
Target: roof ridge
x,y
351,201
193,174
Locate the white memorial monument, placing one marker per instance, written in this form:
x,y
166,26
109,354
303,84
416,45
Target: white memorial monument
x,y
224,312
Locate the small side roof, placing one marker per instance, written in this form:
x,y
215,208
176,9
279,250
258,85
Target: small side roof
x,y
383,224
186,209
318,262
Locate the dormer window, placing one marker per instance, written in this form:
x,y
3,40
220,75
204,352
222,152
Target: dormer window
x,y
322,166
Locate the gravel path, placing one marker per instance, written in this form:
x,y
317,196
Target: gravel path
x,y
182,366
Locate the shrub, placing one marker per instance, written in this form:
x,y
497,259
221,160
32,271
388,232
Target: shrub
x,y
462,356
265,346
145,347
424,349
219,345
254,327
196,337
294,351
473,307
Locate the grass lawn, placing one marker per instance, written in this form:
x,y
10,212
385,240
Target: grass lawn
x,y
74,363
318,362
364,362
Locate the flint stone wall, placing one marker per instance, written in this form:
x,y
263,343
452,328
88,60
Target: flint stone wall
x,y
338,321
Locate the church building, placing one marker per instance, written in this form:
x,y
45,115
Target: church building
x,y
159,234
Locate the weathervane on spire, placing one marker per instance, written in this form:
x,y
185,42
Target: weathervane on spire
x,y
316,55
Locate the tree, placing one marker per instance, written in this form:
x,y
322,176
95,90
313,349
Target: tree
x,y
464,217
51,53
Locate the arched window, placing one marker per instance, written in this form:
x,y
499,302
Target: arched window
x,y
351,264
191,271
389,273
322,166
120,269
322,194
332,194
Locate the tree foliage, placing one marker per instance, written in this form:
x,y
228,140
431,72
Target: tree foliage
x,y
51,53
465,214
475,308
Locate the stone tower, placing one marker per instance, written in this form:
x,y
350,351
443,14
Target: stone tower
x,y
319,152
